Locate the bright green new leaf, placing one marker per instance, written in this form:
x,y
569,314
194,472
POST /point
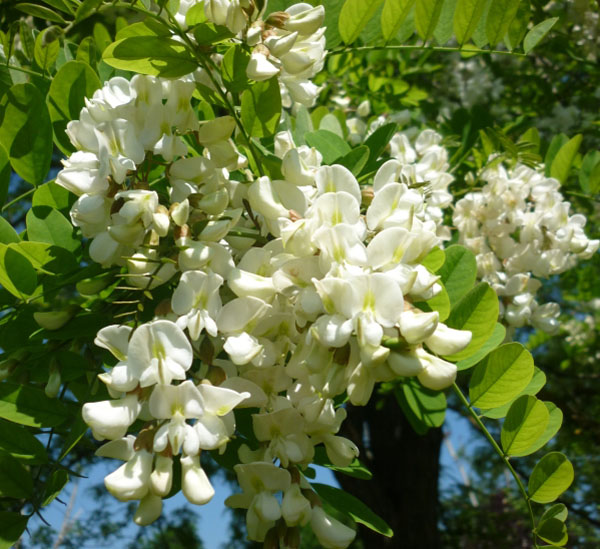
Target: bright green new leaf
x,y
499,18
558,511
53,195
444,31
17,275
466,17
15,480
554,423
45,224
30,406
73,82
17,441
555,145
458,272
524,424
41,11
54,486
7,233
533,37
553,531
46,51
493,341
434,259
86,8
427,15
501,376
148,27
25,132
477,312
561,165
154,55
261,108
12,525
393,15
195,15
86,52
330,145
552,475
439,303
533,388
233,69
342,501
4,174
354,16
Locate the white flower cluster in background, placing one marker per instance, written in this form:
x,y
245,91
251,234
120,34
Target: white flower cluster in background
x,y
520,230
286,293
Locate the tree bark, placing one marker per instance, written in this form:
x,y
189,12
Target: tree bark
x,y
405,467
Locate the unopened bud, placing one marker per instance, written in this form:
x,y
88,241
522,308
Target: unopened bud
x,y
54,382
52,320
277,19
181,232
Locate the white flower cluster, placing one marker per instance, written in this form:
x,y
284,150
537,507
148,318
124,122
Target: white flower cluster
x,y
291,45
286,294
520,229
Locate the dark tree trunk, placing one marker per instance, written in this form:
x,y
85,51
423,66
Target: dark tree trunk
x,y
405,467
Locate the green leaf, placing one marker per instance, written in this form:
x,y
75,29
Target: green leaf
x,y
332,16
195,15
393,15
17,275
261,108
558,511
434,260
356,469
86,8
154,55
499,18
477,312
524,424
208,33
518,27
27,41
589,174
554,423
533,388
25,132
533,37
341,500
458,272
427,15
41,12
73,82
355,160
86,52
466,16
439,303
561,165
47,258
45,224
354,16
443,31
45,52
552,475
17,441
54,196
4,174
428,406
7,233
233,69
494,340
61,5
15,480
501,376
377,142
148,27
553,531
555,145
12,525
30,406
54,486
330,145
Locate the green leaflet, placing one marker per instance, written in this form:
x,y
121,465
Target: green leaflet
x,y
466,17
30,406
73,82
524,424
393,15
427,15
45,224
7,233
15,480
25,132
17,275
261,108
46,51
346,503
355,160
424,408
501,376
561,165
458,272
330,145
154,55
499,18
553,531
356,469
377,142
332,16
494,340
54,486
354,16
518,26
434,259
477,312
41,12
444,31
4,174
551,476
552,427
589,173
233,69
12,525
535,35
17,441
207,34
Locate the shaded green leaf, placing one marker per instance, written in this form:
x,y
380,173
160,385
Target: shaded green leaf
x,y
233,69
54,486
30,406
444,31
518,26
356,469
558,511
330,145
377,142
15,480
427,15
12,525
4,173
47,258
589,174
501,376
533,37
208,33
354,16
261,108
17,441
393,15
524,424
87,8
45,224
551,476
466,17
355,160
40,11
341,500
18,270
428,406
554,423
499,18
553,531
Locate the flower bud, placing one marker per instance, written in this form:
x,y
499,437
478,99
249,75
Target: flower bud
x,y
331,533
52,320
280,45
305,21
54,381
148,510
